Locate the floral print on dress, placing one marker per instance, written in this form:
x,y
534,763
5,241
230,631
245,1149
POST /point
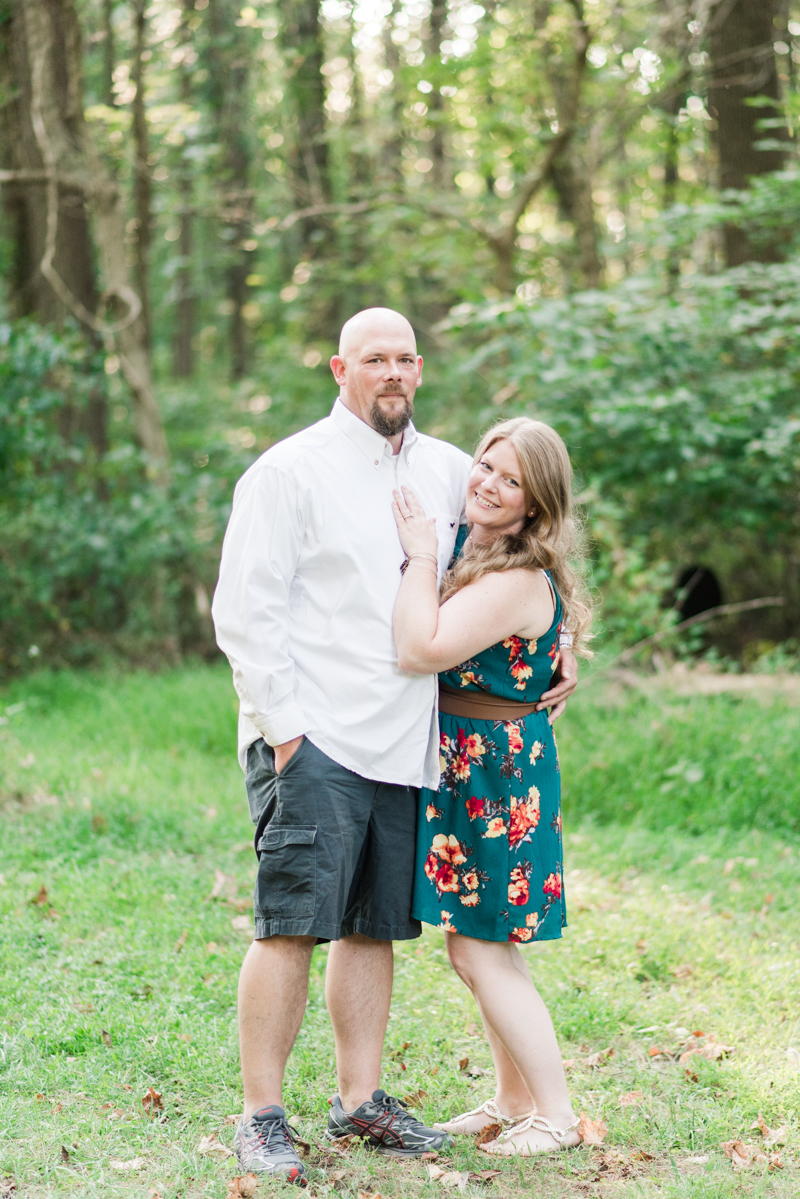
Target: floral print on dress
x,y
489,840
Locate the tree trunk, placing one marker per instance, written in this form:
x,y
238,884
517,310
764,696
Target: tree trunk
x,y
301,40
108,52
573,186
393,146
435,100
740,41
183,355
142,185
53,137
229,63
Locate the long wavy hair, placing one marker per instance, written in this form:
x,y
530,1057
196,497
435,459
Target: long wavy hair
x,y
550,540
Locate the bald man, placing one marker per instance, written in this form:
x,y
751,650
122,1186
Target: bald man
x,y
334,738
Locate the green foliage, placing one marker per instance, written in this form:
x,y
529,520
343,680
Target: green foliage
x,y
93,556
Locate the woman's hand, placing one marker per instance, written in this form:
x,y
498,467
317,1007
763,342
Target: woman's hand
x,y
417,531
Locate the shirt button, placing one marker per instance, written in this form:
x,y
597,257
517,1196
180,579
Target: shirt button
x,y
377,462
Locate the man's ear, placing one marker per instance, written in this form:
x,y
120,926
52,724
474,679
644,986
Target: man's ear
x,y
339,369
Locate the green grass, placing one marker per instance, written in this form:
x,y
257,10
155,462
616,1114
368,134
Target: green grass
x,y
122,797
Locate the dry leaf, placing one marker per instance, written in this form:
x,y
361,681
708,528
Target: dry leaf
x,y
337,1175
434,1070
682,971
455,1178
774,1136
489,1133
591,1132
181,941
224,884
475,1071
343,1143
65,1154
641,1155
243,1186
211,1146
369,1195
486,1175
41,898
463,1063
415,1099
595,1060
741,1155
152,1102
80,1006
435,1172
154,1193
396,1053
135,1163
712,1051
233,1119
430,1156
569,1063
55,1109
774,1162
8,1186
107,1040
655,1051
630,1098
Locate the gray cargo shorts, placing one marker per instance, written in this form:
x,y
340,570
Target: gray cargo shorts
x,y
335,850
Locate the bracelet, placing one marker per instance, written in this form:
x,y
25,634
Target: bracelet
x,y
565,640
428,566
405,563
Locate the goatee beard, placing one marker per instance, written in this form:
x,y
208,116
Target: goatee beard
x,y
390,426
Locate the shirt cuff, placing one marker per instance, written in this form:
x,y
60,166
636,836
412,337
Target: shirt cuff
x,y
284,725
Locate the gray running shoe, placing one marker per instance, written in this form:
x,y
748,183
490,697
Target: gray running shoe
x,y
387,1125
264,1144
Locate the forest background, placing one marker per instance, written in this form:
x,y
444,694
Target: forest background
x,y
587,209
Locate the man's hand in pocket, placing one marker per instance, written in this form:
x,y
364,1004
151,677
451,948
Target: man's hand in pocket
x,y
284,753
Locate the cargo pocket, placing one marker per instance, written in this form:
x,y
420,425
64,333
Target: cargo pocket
x,y
287,872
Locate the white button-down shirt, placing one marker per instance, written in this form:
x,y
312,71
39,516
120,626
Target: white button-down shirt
x,y
309,576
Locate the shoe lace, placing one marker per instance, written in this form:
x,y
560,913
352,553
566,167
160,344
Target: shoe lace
x,y
398,1109
275,1133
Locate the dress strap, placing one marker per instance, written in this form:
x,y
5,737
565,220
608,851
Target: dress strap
x,y
552,591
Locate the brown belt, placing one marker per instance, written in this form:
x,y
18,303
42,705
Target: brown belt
x,y
479,705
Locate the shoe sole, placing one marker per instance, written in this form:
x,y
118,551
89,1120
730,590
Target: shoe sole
x,y
386,1150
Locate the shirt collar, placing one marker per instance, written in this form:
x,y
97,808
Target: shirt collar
x,y
373,445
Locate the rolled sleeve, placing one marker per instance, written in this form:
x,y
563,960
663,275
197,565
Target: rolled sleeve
x,y
251,609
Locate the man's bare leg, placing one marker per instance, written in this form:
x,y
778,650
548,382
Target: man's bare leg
x,y
358,991
273,988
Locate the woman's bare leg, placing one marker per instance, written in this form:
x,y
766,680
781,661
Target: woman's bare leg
x,y
529,1066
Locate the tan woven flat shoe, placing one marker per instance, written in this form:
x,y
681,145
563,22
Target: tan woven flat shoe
x,y
505,1147
456,1127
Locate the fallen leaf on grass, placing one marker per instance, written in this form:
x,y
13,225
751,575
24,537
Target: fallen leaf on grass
x,y
41,898
743,1155
772,1136
232,1119
243,1186
181,941
107,1039
65,1154
654,1052
80,1006
683,971
370,1195
486,1175
211,1146
337,1175
630,1098
463,1063
55,1109
224,884
135,1163
396,1053
595,1060
475,1071
569,1063
8,1186
344,1143
712,1051
641,1155
591,1132
449,1178
415,1098
152,1102
489,1133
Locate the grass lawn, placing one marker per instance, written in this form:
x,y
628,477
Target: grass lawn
x,y
121,800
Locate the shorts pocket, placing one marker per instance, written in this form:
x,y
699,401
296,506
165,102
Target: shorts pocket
x,y
287,872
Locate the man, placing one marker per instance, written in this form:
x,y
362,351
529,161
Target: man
x,y
334,738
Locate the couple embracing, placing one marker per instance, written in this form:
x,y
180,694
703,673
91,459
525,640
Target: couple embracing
x,y
362,560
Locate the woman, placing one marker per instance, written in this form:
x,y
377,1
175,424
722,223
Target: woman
x,y
489,861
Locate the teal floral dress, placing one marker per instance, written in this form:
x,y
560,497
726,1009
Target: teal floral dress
x,y
489,851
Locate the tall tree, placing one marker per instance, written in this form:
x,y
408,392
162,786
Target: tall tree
x,y
183,355
229,60
142,185
740,42
302,43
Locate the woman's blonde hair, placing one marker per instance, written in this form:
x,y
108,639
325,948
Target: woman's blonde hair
x,y
551,539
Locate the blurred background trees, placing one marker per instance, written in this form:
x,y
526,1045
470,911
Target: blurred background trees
x,y
587,210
